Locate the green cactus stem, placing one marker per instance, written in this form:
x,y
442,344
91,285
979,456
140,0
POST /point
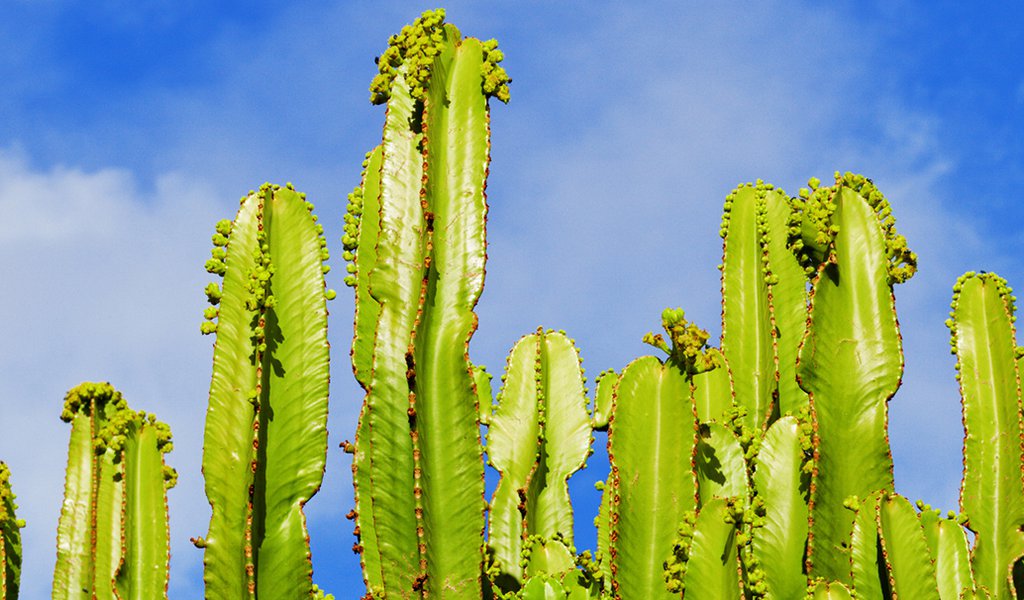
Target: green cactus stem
x,y
949,548
763,303
992,492
782,482
708,547
419,434
539,436
713,392
651,442
851,358
10,538
829,590
265,442
113,535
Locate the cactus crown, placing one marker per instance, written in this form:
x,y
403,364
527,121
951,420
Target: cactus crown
x,y
1002,288
812,231
415,48
88,396
7,497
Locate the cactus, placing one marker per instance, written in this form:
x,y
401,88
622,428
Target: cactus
x,y
992,492
850,360
539,435
421,411
265,443
651,442
112,538
10,538
763,303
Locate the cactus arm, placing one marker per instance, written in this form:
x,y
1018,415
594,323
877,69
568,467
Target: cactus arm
x,y
395,282
603,388
782,485
366,535
747,324
109,512
455,156
10,538
867,567
712,393
952,560
602,523
513,443
651,440
905,550
719,464
362,229
850,362
143,574
830,590
293,402
712,572
74,560
228,436
484,395
788,291
567,437
991,493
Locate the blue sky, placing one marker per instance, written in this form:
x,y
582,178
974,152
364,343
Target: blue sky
x,y
127,129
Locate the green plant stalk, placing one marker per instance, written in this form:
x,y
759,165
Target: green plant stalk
x,y
949,548
829,590
538,437
10,538
713,393
113,534
850,363
781,482
713,570
422,415
143,573
265,442
88,532
992,492
763,303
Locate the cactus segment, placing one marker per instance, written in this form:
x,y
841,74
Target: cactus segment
x,y
360,243
266,438
651,440
850,363
713,566
829,590
603,388
10,538
602,523
85,549
712,391
905,551
748,324
949,548
384,430
143,573
113,536
539,436
991,494
719,464
782,483
455,161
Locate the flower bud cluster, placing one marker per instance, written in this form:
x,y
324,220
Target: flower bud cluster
x,y
811,230
216,265
353,219
902,262
689,343
87,397
495,78
414,48
675,566
8,521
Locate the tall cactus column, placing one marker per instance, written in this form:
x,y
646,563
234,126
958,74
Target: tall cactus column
x,y
851,359
418,264
265,443
112,537
992,492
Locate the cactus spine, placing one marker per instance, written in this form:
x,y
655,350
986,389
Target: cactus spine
x,y
426,272
539,435
10,538
992,491
112,538
265,443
